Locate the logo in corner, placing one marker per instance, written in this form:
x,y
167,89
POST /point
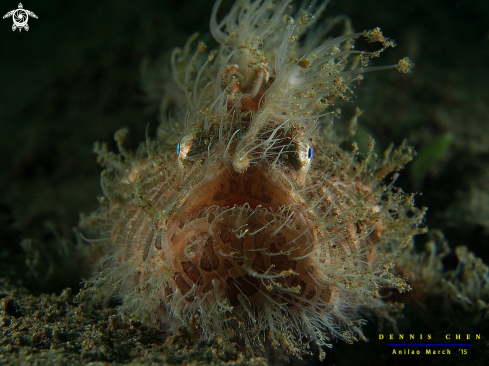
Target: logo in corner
x,y
20,17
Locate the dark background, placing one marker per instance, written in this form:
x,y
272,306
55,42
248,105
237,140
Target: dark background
x,y
74,79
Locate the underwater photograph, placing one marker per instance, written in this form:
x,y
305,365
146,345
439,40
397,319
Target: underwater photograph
x,y
244,182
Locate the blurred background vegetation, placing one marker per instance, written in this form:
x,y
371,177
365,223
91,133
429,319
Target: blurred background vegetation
x,y
74,79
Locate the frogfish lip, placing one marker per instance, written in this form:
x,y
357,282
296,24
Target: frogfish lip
x,y
242,235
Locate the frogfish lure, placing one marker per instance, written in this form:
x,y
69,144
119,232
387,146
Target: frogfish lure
x,y
244,216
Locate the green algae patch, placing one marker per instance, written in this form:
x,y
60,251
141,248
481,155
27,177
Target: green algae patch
x,y
429,156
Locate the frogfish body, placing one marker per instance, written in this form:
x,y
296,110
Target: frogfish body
x,y
244,215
